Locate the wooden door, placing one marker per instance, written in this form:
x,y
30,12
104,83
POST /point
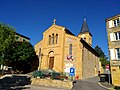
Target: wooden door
x,y
51,63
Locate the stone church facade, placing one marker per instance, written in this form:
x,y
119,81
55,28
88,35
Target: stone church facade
x,y
60,50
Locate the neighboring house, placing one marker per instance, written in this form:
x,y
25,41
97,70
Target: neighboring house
x,y
22,38
60,50
113,32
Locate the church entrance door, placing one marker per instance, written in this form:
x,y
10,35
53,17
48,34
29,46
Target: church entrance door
x,y
51,63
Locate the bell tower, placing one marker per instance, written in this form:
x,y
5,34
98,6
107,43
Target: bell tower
x,y
85,33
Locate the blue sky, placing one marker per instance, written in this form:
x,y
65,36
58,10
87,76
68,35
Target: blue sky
x,y
32,17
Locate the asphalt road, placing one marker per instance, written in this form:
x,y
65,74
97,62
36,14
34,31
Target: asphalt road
x,y
79,85
23,83
86,85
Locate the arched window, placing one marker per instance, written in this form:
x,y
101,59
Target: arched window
x,y
49,40
52,39
56,38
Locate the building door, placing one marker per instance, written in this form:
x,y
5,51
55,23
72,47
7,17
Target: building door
x,y
51,63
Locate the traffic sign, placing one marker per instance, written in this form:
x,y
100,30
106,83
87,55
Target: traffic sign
x,y
107,67
72,71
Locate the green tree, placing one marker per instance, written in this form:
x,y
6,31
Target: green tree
x,y
23,55
103,58
7,38
19,55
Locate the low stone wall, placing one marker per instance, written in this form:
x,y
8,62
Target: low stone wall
x,y
52,83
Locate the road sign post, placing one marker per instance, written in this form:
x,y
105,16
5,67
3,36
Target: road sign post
x,y
108,72
72,73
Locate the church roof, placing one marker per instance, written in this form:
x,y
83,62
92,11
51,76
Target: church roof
x,y
84,27
68,32
89,47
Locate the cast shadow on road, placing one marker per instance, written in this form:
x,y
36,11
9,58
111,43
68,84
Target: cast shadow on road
x,y
14,83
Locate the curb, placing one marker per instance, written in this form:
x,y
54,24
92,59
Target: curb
x,y
7,75
104,86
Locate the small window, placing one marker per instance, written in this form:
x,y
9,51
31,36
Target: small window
x,y
49,40
70,49
85,39
52,39
24,40
116,22
117,36
118,53
56,38
17,38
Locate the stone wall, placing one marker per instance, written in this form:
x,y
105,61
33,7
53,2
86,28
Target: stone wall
x,y
90,63
52,83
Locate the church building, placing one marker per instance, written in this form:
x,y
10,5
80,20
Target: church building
x,y
61,50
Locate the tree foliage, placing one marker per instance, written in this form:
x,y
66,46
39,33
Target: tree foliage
x,y
7,38
103,57
23,55
18,55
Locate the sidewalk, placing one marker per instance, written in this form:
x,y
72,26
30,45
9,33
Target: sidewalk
x,y
106,85
96,79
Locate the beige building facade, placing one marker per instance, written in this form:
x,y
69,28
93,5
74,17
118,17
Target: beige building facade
x,y
113,32
21,38
60,50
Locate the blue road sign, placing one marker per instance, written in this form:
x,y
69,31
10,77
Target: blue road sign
x,y
72,71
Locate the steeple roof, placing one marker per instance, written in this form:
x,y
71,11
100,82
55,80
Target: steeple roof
x,y
84,27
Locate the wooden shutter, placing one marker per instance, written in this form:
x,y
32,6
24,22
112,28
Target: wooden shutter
x,y
112,37
112,54
116,54
110,23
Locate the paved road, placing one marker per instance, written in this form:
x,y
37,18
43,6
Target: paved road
x,y
79,85
86,85
23,83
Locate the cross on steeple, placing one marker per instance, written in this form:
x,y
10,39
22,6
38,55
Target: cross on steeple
x,y
54,21
84,19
